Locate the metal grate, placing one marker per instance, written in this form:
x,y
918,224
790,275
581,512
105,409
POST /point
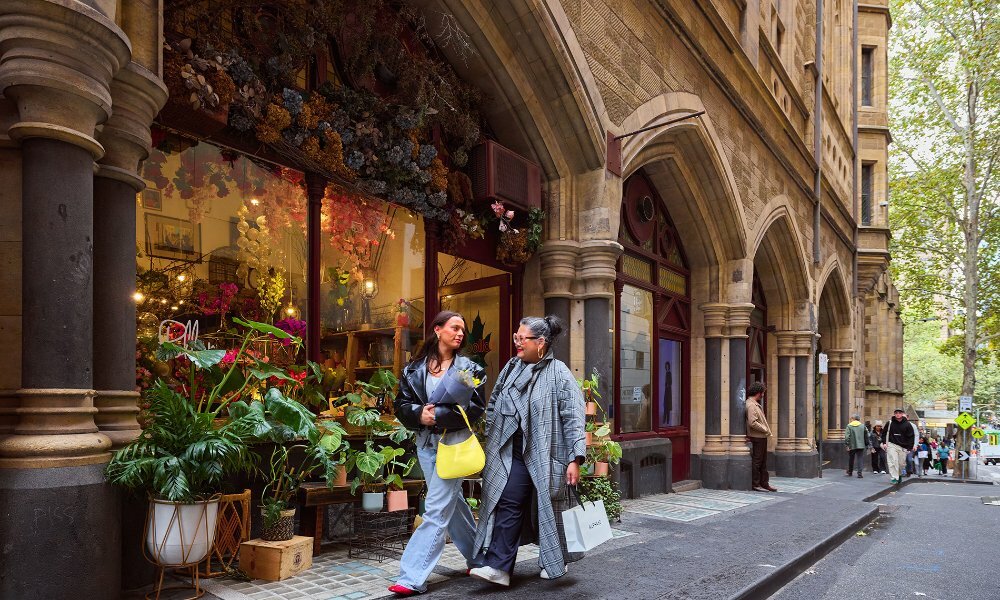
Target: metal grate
x,y
675,282
380,535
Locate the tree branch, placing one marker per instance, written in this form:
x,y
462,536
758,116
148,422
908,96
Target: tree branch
x,y
944,193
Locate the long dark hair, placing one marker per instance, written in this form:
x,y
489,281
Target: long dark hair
x,y
429,349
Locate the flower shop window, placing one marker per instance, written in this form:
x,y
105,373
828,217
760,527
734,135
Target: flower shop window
x,y
635,359
372,290
219,235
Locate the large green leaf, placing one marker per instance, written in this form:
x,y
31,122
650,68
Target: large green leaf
x,y
264,328
263,370
289,412
205,359
331,441
369,462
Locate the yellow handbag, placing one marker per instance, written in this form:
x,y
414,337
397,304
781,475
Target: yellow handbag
x,y
463,459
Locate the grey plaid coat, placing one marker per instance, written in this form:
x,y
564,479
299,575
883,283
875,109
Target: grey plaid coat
x,y
549,394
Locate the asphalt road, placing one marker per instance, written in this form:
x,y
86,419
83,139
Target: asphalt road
x,y
934,541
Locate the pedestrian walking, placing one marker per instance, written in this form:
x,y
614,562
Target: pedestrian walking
x,y
912,464
422,406
757,434
535,446
924,455
856,439
943,451
878,453
897,440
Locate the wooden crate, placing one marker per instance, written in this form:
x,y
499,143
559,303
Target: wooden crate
x,y
274,561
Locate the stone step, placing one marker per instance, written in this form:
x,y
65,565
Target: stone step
x,y
686,486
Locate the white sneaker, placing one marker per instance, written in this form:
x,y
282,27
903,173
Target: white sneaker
x,y
545,575
492,575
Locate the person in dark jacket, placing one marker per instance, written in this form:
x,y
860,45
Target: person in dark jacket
x,y
878,454
897,440
426,404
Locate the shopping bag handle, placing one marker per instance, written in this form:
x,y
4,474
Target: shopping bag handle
x,y
574,492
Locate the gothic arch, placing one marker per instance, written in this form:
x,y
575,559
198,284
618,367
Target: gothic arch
x,y
833,305
781,264
543,100
685,163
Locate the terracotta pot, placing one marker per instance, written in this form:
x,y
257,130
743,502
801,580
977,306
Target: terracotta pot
x,y
591,408
590,438
341,476
601,469
396,500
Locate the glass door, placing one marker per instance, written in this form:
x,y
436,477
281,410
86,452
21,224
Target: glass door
x,y
485,302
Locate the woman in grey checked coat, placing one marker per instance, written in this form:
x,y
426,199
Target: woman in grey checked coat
x,y
535,446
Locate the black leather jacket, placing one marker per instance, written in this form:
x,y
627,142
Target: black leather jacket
x,y
412,397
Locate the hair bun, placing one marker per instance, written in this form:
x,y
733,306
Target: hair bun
x,y
555,325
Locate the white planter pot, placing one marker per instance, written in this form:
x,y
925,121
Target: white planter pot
x,y
180,534
372,502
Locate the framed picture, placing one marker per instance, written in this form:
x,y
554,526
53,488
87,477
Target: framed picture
x,y
174,239
152,200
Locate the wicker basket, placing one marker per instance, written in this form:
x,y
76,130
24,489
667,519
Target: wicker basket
x,y
283,529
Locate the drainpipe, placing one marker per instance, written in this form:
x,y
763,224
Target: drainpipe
x,y
854,138
818,131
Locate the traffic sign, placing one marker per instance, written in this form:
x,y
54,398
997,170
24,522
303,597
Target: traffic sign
x,y
963,455
964,403
965,420
978,433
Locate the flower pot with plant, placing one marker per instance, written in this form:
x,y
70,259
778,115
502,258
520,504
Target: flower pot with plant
x,y
591,396
603,454
183,456
395,470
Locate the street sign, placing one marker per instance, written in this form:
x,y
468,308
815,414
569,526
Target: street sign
x,y
824,363
964,403
965,420
963,455
978,433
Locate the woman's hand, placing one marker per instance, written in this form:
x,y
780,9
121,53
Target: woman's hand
x,y
572,473
427,415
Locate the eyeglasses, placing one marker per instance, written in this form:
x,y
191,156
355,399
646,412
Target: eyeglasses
x,y
518,340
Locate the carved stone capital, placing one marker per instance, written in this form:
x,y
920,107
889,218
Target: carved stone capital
x,y
59,57
559,258
841,358
598,268
138,96
55,428
714,317
795,343
715,445
738,320
116,416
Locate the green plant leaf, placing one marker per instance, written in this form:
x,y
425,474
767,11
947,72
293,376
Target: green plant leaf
x,y
264,328
288,412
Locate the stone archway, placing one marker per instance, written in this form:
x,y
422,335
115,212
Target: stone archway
x,y
780,263
685,164
835,327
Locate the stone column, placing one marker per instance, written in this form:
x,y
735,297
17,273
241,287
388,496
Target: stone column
x,y
59,59
597,273
737,326
806,456
794,350
137,95
558,274
714,454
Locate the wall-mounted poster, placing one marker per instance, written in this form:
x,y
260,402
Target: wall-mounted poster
x,y
152,200
174,239
670,383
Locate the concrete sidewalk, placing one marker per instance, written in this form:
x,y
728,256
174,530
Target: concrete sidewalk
x,y
705,544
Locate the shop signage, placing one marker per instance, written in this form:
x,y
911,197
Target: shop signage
x,y
182,334
824,363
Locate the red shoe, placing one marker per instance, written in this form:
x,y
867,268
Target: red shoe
x,y
402,590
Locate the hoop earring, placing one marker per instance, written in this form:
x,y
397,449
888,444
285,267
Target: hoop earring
x,y
540,352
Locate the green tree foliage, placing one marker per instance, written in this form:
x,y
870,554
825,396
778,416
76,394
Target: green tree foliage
x,y
945,119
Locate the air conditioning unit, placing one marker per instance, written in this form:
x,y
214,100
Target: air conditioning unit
x,y
499,173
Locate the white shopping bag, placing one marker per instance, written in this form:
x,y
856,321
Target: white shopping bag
x,y
586,526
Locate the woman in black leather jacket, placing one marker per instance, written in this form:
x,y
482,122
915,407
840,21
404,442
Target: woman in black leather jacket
x,y
418,409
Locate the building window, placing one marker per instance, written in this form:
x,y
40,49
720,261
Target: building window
x,y
866,194
636,327
866,76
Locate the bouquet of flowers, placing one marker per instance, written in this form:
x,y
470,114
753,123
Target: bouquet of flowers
x,y
456,388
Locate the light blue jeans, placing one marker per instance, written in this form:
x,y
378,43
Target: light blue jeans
x,y
445,509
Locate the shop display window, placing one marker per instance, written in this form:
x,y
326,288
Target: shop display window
x,y
372,289
219,235
635,360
